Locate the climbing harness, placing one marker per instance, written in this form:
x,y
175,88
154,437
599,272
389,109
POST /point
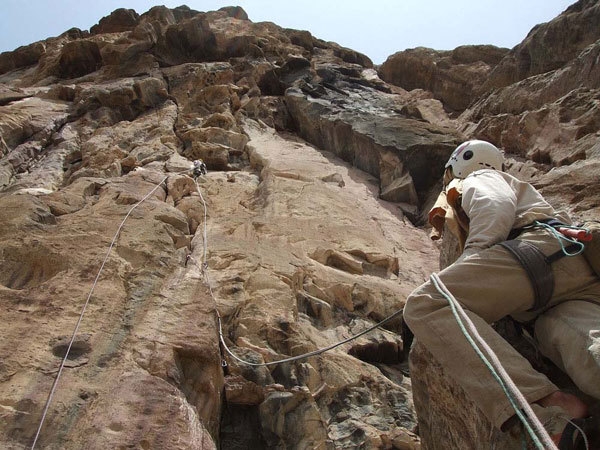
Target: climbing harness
x,y
575,236
523,410
537,267
536,264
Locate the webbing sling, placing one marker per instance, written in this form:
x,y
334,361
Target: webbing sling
x,y
538,268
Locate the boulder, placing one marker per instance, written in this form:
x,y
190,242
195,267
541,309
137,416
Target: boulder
x,y
454,77
118,21
190,40
237,12
24,56
404,154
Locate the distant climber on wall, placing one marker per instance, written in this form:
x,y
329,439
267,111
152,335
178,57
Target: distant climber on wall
x,y
512,264
199,168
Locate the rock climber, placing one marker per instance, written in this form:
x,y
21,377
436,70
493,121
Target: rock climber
x,y
562,300
199,168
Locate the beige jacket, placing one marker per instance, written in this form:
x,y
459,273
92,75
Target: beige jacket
x,y
495,203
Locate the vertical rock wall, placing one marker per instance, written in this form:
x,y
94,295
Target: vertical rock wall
x,y
301,251
319,172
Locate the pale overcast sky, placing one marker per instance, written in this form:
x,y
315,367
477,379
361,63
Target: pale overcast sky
x,y
377,28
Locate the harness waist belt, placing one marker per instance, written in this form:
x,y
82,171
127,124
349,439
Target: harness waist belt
x,y
515,232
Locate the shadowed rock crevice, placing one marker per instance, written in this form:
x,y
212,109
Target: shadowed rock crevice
x,y
79,58
80,347
240,427
200,377
378,352
320,311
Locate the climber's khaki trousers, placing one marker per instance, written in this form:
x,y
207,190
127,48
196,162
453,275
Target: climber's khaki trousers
x,y
491,285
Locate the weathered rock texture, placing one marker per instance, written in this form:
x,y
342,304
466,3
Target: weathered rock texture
x,y
320,175
301,250
455,77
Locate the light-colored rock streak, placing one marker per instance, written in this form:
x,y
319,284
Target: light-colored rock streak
x,y
300,234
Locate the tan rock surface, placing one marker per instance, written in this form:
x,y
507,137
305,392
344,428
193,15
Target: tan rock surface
x,y
320,174
301,252
455,77
151,324
289,296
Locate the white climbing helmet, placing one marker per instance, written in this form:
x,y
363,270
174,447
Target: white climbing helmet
x,y
474,155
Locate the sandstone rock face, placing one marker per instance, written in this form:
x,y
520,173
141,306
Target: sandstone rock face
x,y
454,77
293,287
549,46
301,248
561,103
435,396
305,231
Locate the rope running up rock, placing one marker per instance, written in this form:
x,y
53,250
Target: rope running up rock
x,y
532,424
83,309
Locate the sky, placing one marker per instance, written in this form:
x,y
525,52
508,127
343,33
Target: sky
x,y
376,28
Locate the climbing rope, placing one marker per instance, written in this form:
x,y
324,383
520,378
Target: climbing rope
x,y
562,238
305,355
83,309
586,442
204,233
538,434
198,170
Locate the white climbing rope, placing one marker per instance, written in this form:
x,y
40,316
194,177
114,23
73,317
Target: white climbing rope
x,y
538,433
83,309
586,443
305,355
204,233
